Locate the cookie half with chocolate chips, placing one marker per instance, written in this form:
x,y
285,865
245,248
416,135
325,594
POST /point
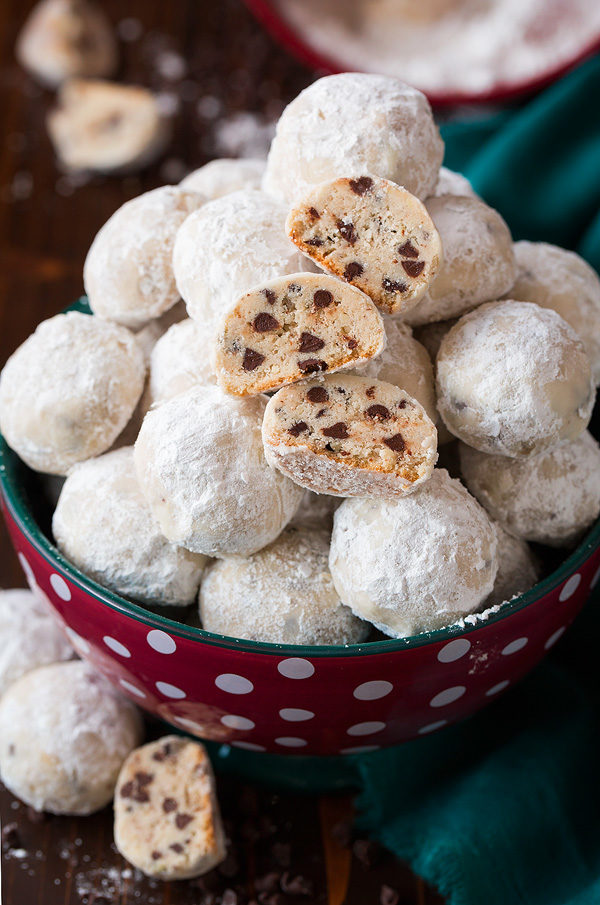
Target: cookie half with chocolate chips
x,y
167,820
292,327
350,436
372,233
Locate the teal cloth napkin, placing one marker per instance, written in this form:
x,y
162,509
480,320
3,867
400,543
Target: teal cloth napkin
x,y
504,809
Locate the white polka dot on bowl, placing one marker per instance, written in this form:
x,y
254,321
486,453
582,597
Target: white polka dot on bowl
x,y
295,714
116,646
595,579
234,684
248,746
296,668
514,647
368,728
454,650
289,741
170,691
569,587
373,690
233,721
161,642
496,689
60,586
27,569
360,749
128,686
191,725
79,643
447,696
432,727
554,637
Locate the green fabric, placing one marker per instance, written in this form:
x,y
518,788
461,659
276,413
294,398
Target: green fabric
x,y
504,809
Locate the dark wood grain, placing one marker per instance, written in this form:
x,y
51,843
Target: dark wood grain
x,y
46,226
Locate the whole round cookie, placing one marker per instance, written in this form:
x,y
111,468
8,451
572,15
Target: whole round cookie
x,y
227,247
405,363
179,360
555,278
64,733
30,636
552,498
128,271
416,563
351,124
514,379
478,263
282,595
69,390
103,525
518,569
225,175
452,183
201,466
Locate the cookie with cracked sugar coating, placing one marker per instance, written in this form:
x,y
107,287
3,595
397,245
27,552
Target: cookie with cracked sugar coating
x,y
371,233
287,329
350,436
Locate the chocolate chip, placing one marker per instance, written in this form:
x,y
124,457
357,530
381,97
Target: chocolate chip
x,y
298,428
321,412
388,896
370,392
314,213
177,847
322,298
296,886
339,431
353,270
126,790
396,443
156,855
317,394
310,343
141,796
270,296
413,268
378,412
352,343
408,250
311,365
402,404
293,287
315,242
143,779
252,360
10,837
264,322
393,285
347,231
182,820
169,804
361,185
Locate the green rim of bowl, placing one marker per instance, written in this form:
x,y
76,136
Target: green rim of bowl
x,y
16,503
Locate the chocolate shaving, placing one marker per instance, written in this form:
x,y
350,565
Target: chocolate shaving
x,y
347,231
169,804
361,185
317,394
182,820
314,213
315,242
252,360
408,250
396,443
338,431
264,322
310,343
298,428
378,412
270,296
394,285
353,270
322,298
310,365
413,268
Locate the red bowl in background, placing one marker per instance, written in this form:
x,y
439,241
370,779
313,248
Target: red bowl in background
x,y
275,23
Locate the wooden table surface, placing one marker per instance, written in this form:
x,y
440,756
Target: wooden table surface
x,y
212,63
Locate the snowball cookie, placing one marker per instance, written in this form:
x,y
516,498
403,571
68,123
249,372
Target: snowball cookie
x,y
106,127
103,525
552,498
65,38
225,175
452,183
514,379
201,466
478,263
30,636
149,335
167,820
180,359
405,363
64,733
315,511
350,124
415,563
227,247
555,278
518,568
282,595
67,392
128,274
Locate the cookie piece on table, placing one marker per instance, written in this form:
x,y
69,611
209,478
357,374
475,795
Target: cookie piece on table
x,y
350,436
286,329
371,233
167,821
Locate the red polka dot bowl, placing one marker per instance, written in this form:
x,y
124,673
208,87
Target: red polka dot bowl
x,y
284,699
